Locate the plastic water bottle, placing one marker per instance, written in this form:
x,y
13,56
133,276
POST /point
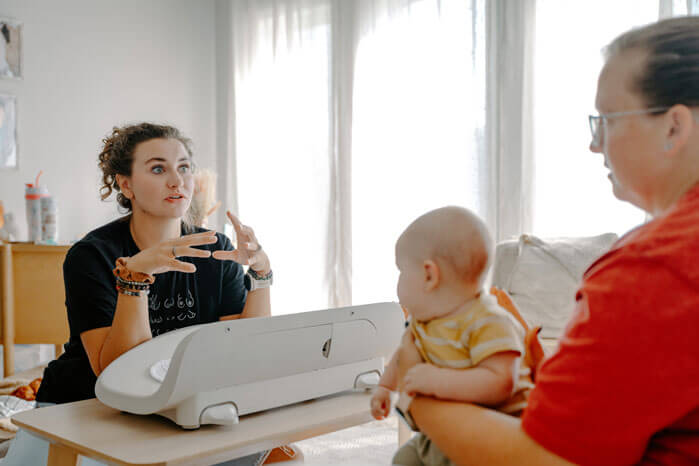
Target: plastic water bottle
x,y
32,195
49,220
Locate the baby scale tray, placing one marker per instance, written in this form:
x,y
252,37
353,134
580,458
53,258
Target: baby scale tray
x,y
213,373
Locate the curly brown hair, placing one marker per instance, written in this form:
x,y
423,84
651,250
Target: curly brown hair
x,y
116,157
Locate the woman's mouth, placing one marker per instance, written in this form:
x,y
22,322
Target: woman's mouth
x,y
175,198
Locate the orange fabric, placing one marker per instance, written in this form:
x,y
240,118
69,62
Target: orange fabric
x,y
27,392
284,453
623,386
533,351
122,271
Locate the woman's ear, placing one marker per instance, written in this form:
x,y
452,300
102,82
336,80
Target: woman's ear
x,y
679,127
431,275
125,186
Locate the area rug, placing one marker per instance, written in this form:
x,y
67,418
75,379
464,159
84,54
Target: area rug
x,y
373,443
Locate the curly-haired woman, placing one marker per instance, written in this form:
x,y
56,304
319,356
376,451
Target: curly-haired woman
x,y
148,272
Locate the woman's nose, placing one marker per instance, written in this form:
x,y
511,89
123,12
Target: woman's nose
x,y
174,180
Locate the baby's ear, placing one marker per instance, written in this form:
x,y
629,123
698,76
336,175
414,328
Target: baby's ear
x,y
431,275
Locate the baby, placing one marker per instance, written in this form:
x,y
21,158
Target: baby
x,y
469,348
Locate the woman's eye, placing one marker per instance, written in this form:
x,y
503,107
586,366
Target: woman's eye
x,y
184,168
157,169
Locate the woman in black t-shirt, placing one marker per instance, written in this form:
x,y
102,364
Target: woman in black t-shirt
x,y
148,272
150,168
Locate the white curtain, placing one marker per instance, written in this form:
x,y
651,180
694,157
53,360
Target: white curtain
x,y
510,74
345,120
670,8
418,130
283,181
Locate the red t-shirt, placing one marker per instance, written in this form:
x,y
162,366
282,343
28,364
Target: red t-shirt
x,y
623,386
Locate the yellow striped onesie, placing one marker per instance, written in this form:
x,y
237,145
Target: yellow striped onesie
x,y
463,340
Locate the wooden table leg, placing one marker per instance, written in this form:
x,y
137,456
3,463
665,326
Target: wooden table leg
x,y
8,311
60,455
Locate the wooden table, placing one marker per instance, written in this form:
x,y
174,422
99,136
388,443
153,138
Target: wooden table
x,y
32,297
91,429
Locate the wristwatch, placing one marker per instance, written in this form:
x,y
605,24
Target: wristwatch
x,y
254,281
403,409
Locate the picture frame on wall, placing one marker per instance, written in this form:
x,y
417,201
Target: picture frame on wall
x,y
8,132
10,49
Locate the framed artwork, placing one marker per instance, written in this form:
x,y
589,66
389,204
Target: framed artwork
x,y
8,131
10,48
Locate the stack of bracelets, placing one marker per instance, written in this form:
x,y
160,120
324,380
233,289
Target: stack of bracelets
x,y
129,282
131,288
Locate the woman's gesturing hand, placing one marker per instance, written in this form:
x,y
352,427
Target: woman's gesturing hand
x,y
248,250
163,257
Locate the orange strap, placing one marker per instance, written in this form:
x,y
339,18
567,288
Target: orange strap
x,y
533,351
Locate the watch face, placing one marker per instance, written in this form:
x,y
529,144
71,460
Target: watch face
x,y
247,282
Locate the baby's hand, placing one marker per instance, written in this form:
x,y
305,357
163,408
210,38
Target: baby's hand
x,y
421,378
381,403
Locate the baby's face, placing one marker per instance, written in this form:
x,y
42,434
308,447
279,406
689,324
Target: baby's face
x,y
411,285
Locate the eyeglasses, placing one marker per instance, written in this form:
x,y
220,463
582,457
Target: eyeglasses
x,y
597,121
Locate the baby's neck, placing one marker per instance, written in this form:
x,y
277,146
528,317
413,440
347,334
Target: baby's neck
x,y
462,304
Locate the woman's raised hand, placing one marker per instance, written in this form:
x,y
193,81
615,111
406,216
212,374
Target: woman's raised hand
x,y
163,257
248,250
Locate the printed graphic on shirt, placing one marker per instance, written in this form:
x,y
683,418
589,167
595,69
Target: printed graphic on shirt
x,y
171,312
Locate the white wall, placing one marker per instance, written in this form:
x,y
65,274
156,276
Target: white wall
x,y
89,66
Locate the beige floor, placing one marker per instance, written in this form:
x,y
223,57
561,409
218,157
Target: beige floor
x,y
369,444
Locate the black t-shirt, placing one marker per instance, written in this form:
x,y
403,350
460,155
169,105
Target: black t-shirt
x,y
176,300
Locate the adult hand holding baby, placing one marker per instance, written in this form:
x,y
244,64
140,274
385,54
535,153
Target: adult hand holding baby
x,y
421,378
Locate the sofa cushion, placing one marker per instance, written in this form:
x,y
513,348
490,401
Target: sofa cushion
x,y
542,275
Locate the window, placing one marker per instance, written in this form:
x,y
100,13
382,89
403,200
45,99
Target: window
x,y
282,151
573,196
419,113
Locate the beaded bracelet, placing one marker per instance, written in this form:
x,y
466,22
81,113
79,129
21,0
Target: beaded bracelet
x,y
129,292
132,285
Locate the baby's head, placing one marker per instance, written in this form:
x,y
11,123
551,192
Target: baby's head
x,y
443,258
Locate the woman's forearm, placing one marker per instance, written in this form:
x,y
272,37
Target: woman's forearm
x,y
130,327
472,435
258,304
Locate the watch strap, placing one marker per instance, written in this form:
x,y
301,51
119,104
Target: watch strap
x,y
255,281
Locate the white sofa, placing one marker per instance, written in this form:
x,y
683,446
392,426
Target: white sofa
x,y
543,275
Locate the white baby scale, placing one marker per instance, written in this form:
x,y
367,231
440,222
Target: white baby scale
x,y
213,373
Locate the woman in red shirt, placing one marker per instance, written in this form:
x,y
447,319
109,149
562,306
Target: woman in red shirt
x,y
623,386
